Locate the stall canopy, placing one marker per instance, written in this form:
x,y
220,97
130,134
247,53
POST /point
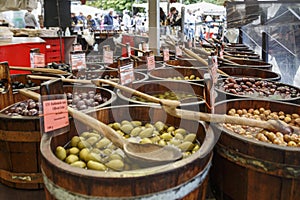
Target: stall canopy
x,y
205,8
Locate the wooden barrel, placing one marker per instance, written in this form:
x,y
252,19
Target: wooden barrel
x,y
110,74
284,96
245,168
157,87
178,73
251,72
248,63
20,143
183,179
140,66
19,151
182,63
242,54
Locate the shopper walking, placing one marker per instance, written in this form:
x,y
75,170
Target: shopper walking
x,y
108,20
30,21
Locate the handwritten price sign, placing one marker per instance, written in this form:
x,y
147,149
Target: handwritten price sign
x,y
151,63
166,54
108,57
178,51
126,74
55,114
37,60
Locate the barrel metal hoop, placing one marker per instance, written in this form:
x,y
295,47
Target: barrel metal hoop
x,y
272,168
21,177
20,136
177,192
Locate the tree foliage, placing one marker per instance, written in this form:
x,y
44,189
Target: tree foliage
x,y
118,5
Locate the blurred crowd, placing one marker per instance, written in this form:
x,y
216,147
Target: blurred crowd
x,y
112,20
195,26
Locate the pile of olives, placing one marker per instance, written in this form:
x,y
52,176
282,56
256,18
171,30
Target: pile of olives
x,y
278,138
186,78
85,100
258,88
170,95
91,150
24,108
20,85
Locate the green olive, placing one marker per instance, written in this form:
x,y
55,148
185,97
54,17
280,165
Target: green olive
x,y
74,141
116,164
60,153
79,164
96,166
74,150
71,158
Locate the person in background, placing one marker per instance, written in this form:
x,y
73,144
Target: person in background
x,y
98,20
162,16
108,20
189,27
116,22
174,17
30,21
74,22
126,21
81,20
91,23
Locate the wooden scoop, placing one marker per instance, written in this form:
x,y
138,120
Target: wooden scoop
x,y
170,108
43,70
195,56
66,80
151,154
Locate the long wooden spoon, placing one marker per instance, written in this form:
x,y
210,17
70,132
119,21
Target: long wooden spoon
x,y
152,154
43,70
170,108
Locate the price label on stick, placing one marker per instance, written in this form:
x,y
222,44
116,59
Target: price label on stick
x,y
178,51
77,61
108,56
55,114
166,54
37,60
151,62
126,74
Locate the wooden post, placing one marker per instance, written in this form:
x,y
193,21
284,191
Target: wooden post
x,y
154,26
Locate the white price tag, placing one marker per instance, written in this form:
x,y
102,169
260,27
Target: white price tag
x,y
151,62
108,57
178,51
37,60
77,61
166,54
126,74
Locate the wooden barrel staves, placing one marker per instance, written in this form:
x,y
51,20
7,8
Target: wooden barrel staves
x,y
20,157
20,143
245,168
183,179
